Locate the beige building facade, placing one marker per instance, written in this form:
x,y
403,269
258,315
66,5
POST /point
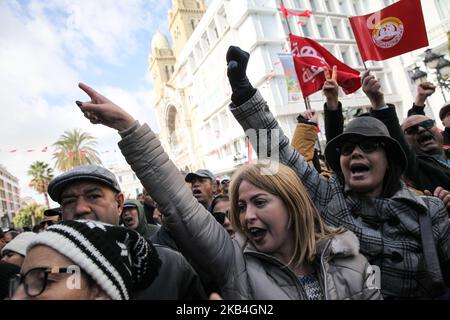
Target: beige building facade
x,y
9,197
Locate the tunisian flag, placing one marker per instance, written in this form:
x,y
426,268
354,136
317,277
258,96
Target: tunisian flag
x,y
310,60
387,33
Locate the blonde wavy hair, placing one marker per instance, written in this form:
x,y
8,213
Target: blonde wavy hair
x,y
303,217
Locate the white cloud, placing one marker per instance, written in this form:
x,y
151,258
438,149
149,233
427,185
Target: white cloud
x,y
46,49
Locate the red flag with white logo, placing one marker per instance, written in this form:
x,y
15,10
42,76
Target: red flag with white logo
x,y
392,31
311,59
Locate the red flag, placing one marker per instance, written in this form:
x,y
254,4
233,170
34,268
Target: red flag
x,y
392,31
310,59
283,10
286,12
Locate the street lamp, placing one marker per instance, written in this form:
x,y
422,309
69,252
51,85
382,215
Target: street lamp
x,y
418,76
440,65
431,59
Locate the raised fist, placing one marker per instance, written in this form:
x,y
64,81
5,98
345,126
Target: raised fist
x,y
237,60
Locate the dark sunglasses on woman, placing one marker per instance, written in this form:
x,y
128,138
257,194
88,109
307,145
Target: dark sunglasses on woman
x,y
366,146
220,216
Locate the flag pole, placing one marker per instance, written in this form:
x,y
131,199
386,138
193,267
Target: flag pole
x,y
287,21
305,100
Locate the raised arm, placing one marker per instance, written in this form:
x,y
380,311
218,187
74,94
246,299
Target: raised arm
x,y
387,114
194,229
424,90
332,108
254,114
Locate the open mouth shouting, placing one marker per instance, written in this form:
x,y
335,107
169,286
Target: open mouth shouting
x,y
257,234
359,171
425,139
129,221
197,193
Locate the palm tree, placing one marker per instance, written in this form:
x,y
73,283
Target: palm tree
x,y
41,175
75,148
29,216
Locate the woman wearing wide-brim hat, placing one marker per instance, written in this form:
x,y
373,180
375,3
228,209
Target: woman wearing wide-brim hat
x,y
366,196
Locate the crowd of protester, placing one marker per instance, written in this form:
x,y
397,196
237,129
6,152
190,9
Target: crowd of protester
x,y
369,220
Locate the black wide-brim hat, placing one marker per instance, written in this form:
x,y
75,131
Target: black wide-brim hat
x,y
365,128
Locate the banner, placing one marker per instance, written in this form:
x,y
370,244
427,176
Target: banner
x,y
310,60
294,91
392,31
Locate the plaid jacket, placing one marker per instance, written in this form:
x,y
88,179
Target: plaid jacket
x,y
387,228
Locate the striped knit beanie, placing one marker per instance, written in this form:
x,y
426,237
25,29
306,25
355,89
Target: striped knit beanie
x,y
118,259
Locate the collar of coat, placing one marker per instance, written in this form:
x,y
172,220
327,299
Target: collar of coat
x,y
404,194
341,245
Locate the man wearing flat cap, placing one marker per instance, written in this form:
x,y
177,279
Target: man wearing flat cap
x,y
203,185
92,192
51,216
88,192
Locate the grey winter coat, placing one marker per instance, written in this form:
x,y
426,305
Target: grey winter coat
x,y
387,228
240,271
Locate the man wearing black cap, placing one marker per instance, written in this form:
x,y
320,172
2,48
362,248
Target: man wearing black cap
x,y
51,216
203,185
92,192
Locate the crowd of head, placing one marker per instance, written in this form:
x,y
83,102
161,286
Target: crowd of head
x,y
368,220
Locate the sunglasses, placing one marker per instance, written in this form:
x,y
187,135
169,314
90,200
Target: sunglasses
x,y
427,124
366,146
225,182
34,280
220,216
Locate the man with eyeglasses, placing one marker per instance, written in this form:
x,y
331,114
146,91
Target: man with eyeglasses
x,y
424,90
428,167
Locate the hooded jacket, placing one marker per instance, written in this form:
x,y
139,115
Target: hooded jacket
x,y
144,229
240,271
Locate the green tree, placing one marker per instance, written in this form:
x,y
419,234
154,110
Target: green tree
x,y
41,174
29,216
75,148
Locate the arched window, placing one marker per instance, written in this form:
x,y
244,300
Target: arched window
x,y
193,24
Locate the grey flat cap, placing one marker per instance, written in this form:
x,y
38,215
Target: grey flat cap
x,y
88,172
202,173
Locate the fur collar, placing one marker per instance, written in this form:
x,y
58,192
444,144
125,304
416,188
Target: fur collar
x,y
344,244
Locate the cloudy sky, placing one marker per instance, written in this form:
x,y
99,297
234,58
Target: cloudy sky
x,y
46,48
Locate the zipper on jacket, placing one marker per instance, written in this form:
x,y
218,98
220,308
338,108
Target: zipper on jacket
x,y
324,274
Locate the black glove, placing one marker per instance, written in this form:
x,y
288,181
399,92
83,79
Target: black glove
x,y
237,60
